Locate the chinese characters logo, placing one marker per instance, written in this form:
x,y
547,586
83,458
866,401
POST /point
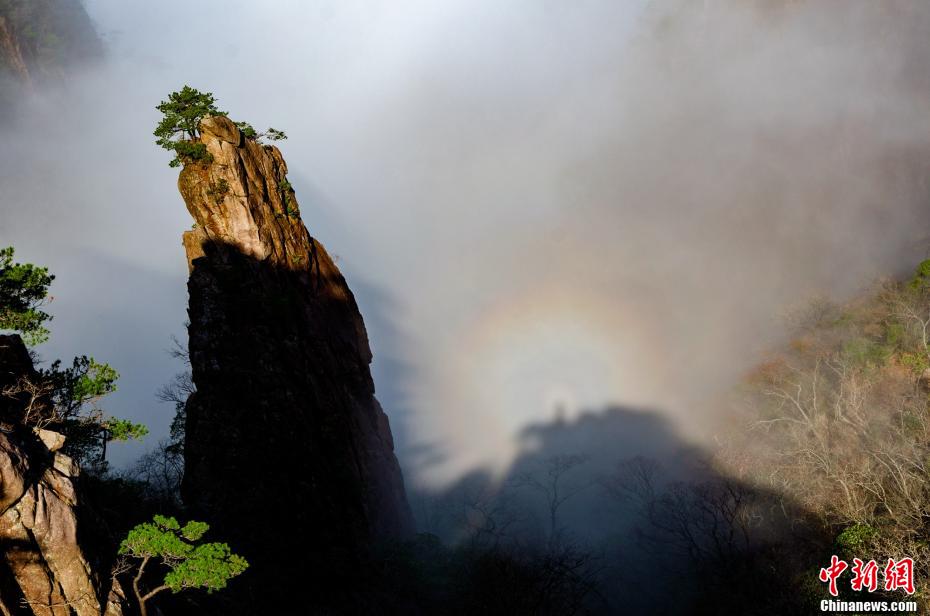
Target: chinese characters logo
x,y
897,575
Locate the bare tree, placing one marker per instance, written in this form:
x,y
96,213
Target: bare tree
x,y
840,421
551,482
161,472
33,401
713,524
486,513
177,392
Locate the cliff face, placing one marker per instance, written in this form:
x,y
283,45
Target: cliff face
x,y
43,568
40,40
287,451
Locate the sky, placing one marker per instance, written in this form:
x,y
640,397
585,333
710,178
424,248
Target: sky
x,y
542,207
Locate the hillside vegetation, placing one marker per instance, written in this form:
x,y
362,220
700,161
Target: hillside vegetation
x,y
840,423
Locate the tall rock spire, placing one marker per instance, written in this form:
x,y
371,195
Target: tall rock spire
x,y
287,451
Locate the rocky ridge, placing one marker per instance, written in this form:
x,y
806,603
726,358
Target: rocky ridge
x,y
44,568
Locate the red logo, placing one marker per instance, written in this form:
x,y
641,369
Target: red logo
x,y
865,575
898,574
831,573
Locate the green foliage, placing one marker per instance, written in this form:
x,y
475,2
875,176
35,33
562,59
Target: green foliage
x,y
179,127
85,382
863,351
63,399
916,362
894,334
274,134
189,151
124,430
95,381
209,566
74,393
23,291
856,539
249,132
191,565
921,279
287,195
219,190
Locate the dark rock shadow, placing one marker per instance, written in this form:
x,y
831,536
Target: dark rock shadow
x,y
392,374
637,543
287,455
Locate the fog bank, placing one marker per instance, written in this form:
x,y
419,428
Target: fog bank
x,y
543,207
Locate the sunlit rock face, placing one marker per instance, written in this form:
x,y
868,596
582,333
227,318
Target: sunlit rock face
x,y
44,569
288,453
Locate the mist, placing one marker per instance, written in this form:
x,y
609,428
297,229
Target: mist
x,y
543,208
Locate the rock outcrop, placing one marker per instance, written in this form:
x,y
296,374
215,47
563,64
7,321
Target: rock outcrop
x,y
44,569
12,53
41,41
287,453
